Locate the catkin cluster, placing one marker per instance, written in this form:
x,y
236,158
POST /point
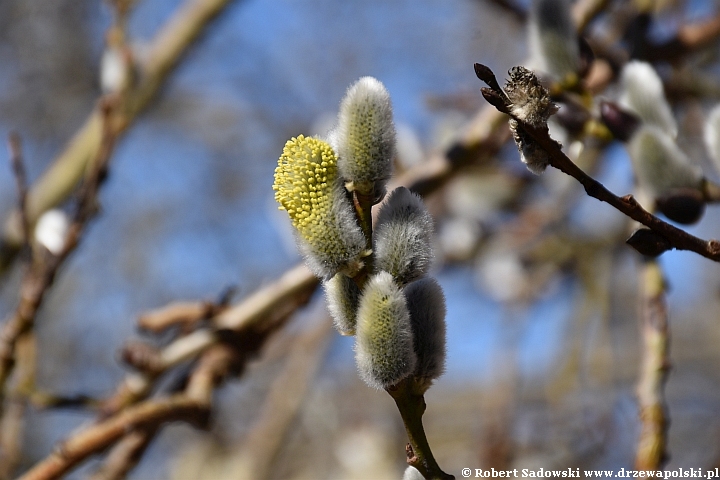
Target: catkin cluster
x,y
380,294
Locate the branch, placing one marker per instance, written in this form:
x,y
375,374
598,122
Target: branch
x,y
654,369
18,168
412,407
678,239
41,274
165,52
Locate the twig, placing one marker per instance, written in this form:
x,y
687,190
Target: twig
x,y
678,239
125,455
18,168
100,436
412,407
164,53
655,334
42,273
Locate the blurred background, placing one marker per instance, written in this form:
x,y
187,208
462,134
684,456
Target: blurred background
x,y
543,331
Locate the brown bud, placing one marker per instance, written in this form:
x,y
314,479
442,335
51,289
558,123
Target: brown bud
x,y
682,205
649,242
621,123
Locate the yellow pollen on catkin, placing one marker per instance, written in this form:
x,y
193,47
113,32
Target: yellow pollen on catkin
x,y
303,183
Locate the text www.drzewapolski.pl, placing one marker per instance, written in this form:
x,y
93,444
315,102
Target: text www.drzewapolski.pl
x,y
577,473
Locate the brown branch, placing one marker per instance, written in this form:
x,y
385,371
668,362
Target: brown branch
x,y
96,438
678,239
164,53
42,272
654,369
125,455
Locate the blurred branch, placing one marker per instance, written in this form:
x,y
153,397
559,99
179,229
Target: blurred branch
x,y
125,455
655,334
164,53
18,168
260,447
677,238
42,271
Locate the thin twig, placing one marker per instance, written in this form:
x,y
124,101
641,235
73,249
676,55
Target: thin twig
x,y
18,168
678,239
42,273
164,53
125,455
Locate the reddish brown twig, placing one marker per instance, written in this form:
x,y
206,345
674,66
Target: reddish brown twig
x,y
678,239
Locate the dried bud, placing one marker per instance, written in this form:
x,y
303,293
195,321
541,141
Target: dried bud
x,y
648,242
402,237
531,102
307,185
622,124
426,304
365,137
553,40
660,166
384,348
682,205
644,95
343,296
712,136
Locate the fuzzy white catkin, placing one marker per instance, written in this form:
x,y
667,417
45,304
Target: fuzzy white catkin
x,y
412,473
712,136
384,348
365,136
553,38
343,296
51,230
403,236
643,94
659,165
426,304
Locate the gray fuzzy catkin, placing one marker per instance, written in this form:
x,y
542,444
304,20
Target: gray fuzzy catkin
x,y
364,138
553,39
643,94
402,237
659,164
426,304
384,348
343,297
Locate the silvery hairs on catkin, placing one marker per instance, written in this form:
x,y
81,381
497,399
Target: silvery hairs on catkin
x,y
343,298
384,348
426,305
365,137
403,236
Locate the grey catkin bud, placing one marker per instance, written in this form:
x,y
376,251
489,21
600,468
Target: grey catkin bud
x,y
384,349
343,297
660,166
402,237
365,136
644,95
426,304
553,39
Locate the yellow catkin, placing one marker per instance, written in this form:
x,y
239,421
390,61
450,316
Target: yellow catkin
x,y
306,186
